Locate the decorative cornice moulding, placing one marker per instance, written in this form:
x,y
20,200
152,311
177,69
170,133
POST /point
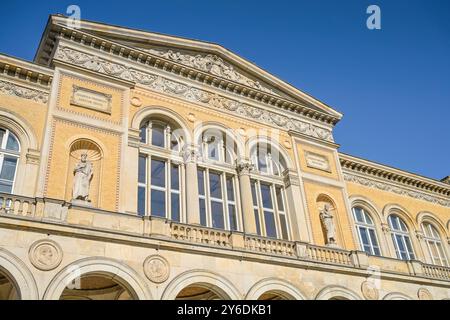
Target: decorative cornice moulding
x,y
161,84
388,187
213,64
13,89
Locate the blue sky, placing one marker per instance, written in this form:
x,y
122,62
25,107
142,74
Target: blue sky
x,y
393,84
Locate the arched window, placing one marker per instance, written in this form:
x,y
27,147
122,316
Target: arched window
x,y
401,239
366,231
217,180
9,157
434,244
268,193
159,169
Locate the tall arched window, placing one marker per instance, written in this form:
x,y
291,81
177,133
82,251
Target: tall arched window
x,y
434,244
217,181
268,193
9,157
366,231
160,166
401,238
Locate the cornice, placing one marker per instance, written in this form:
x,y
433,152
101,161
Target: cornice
x,y
156,61
201,95
25,71
389,179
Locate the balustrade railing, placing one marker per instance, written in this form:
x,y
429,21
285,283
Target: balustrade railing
x,y
436,272
268,245
328,255
197,234
17,205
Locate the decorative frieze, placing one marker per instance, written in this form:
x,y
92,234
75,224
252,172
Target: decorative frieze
x,y
210,63
395,189
13,89
160,84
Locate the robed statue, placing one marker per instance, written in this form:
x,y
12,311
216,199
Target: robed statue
x,y
83,172
328,222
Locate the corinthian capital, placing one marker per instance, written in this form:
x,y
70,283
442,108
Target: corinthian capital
x,y
190,154
244,166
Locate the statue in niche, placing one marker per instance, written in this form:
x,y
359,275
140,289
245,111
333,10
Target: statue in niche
x,y
328,222
83,172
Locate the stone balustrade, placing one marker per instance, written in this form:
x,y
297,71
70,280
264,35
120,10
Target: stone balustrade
x,y
271,246
58,211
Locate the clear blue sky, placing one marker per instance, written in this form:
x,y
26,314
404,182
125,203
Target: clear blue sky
x,y
393,84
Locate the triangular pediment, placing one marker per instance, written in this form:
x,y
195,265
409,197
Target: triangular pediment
x,y
203,56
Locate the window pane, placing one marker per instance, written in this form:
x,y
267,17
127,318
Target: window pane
x,y
401,247
9,168
393,222
202,212
403,226
279,199
374,240
213,150
217,215
233,218
283,224
5,186
157,135
215,187
175,206
271,231
175,178
142,168
230,189
158,173
12,143
409,247
255,200
201,182
266,197
258,226
141,201
365,239
442,254
2,134
143,134
173,143
262,163
158,207
358,215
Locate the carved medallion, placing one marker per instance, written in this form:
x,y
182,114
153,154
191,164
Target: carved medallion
x,y
156,268
135,101
369,291
45,254
424,294
191,117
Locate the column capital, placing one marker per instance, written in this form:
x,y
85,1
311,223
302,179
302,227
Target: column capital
x,y
385,228
190,154
419,235
290,177
244,166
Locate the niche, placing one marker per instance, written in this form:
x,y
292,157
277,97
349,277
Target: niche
x,y
94,155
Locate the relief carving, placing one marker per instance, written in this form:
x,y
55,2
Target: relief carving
x,y
156,268
45,254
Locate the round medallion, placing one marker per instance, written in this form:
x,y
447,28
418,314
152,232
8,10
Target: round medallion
x,y
191,117
156,268
135,101
424,294
45,254
369,291
287,144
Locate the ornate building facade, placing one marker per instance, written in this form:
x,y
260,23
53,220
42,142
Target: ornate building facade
x,y
136,165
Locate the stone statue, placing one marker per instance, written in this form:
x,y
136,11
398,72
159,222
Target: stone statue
x,y
83,174
328,222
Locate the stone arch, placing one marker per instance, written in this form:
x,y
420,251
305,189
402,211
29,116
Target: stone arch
x,y
333,292
120,272
281,287
23,130
374,212
19,274
27,166
201,127
396,296
425,216
393,208
149,111
210,280
253,141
